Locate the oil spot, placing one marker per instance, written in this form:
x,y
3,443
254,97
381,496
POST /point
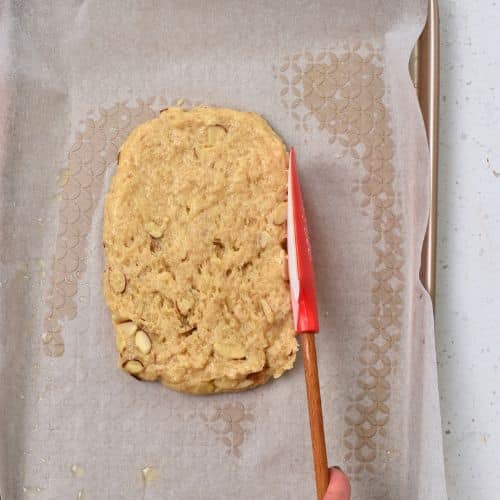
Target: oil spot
x,y
77,470
149,474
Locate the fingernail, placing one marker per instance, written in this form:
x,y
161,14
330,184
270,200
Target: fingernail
x,y
338,468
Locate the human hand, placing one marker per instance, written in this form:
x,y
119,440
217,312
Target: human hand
x,y
338,487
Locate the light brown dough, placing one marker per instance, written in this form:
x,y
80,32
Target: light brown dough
x,y
195,275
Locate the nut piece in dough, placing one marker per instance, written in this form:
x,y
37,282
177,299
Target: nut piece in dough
x,y
123,332
153,229
119,318
143,342
264,239
229,350
225,383
185,304
127,329
117,281
268,312
133,367
121,343
244,384
280,214
215,133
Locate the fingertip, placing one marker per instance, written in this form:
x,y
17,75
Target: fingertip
x,y
339,487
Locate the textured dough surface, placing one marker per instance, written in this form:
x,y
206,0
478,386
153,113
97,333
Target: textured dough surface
x,y
195,276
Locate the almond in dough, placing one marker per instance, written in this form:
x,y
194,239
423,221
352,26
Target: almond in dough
x,y
194,224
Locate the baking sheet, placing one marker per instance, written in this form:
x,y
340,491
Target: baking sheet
x,y
332,79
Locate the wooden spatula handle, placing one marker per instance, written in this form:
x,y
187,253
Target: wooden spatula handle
x,y
315,414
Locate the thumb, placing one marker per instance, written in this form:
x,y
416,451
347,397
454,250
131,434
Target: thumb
x,y
339,487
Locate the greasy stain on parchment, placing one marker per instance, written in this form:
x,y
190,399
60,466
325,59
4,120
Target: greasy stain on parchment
x,y
340,92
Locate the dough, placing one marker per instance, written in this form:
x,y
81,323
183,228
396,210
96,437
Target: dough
x,y
194,232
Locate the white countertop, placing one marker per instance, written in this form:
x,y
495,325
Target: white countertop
x,y
468,268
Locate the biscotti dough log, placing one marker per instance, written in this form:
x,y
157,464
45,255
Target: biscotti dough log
x,y
194,230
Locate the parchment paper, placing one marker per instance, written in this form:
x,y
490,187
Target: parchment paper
x,y
332,79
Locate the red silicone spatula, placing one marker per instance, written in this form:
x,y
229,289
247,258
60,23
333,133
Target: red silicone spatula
x,y
305,318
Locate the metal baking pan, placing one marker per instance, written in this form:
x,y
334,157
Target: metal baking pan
x,y
424,68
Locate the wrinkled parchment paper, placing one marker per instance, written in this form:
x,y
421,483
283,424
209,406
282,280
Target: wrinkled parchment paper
x,y
332,79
